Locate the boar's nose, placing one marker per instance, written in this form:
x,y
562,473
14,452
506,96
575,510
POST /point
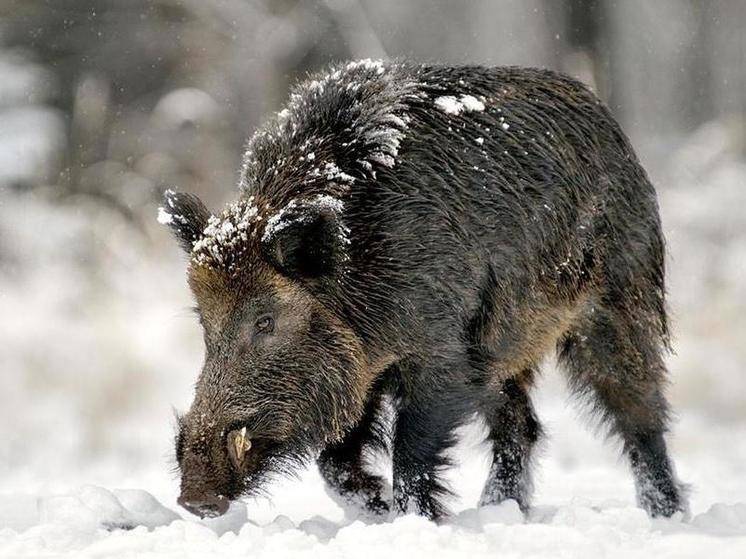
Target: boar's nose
x,y
207,505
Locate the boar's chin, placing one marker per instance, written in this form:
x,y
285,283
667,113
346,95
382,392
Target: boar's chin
x,y
285,460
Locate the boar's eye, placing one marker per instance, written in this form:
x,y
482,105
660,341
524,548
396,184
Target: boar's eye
x,y
264,324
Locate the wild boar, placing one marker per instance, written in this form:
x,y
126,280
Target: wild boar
x,y
426,234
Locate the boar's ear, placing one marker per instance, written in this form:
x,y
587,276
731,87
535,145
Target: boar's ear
x,y
186,215
306,239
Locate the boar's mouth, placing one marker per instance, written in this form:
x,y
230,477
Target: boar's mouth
x,y
209,484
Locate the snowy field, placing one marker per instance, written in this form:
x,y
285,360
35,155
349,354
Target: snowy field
x,y
584,508
98,348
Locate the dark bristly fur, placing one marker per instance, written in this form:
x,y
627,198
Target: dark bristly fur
x,y
428,234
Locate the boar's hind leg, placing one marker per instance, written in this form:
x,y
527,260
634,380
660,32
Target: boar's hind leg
x,y
513,432
342,465
616,360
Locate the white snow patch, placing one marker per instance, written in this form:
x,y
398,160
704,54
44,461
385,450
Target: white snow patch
x,y
471,103
333,173
452,105
449,104
164,218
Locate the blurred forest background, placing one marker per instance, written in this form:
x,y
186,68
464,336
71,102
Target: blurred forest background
x,y
104,104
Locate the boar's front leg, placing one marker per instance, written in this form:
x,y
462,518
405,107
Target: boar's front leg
x,y
514,430
429,409
342,465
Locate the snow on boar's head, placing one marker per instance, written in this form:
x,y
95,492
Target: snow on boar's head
x,y
284,373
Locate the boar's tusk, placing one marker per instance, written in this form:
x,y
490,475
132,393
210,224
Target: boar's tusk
x,y
241,444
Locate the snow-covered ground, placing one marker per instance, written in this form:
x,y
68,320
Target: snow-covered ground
x,y
98,347
584,508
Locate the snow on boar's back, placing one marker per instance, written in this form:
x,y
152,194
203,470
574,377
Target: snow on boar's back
x,y
427,233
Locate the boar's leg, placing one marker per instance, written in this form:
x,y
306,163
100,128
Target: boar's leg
x,y
513,432
429,409
615,360
342,465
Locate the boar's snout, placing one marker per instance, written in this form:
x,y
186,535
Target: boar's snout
x,y
205,505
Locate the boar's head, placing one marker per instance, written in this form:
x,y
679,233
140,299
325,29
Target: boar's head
x,y
284,373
